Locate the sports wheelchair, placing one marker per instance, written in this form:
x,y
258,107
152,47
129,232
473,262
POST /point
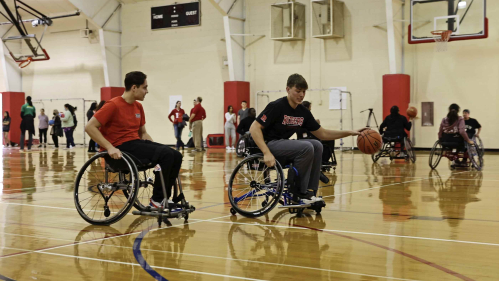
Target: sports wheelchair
x,y
454,151
255,189
393,147
106,189
328,156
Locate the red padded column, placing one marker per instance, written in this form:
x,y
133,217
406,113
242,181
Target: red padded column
x,y
235,92
396,91
107,93
12,102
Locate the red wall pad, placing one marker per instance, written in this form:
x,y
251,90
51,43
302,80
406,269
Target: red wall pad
x,y
235,92
107,93
396,91
12,102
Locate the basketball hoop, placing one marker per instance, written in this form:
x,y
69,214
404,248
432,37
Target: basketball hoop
x,y
26,62
441,38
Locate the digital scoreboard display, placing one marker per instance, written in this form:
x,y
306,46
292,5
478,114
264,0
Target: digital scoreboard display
x,y
179,15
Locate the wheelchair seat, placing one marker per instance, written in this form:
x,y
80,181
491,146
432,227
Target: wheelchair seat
x,y
457,145
392,139
115,165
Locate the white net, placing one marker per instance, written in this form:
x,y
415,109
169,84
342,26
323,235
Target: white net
x,y
441,38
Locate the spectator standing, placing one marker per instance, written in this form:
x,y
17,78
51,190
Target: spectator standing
x,y
43,127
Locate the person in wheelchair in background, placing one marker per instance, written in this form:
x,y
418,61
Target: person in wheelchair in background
x,y
327,146
120,126
453,130
245,125
280,120
471,125
394,126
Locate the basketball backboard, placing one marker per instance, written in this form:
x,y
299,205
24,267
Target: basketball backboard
x,y
466,18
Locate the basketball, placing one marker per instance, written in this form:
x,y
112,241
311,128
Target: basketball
x,y
369,141
412,112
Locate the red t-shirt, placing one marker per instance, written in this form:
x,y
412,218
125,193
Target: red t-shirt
x,y
120,120
177,115
200,113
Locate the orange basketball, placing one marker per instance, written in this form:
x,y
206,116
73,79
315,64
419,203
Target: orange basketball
x,y
412,112
369,141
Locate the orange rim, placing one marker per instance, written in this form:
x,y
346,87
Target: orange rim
x,y
444,34
25,63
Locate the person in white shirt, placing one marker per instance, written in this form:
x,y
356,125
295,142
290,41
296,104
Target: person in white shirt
x,y
230,128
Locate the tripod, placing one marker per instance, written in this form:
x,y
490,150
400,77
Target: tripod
x,y
371,114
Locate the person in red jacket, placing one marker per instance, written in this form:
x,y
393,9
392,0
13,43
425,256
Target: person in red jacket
x,y
198,114
178,123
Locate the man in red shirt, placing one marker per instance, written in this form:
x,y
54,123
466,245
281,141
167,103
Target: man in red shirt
x,y
120,126
198,114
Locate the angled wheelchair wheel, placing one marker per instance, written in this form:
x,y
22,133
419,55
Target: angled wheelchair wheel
x,y
241,147
480,147
410,149
146,185
253,183
475,156
100,187
436,155
375,157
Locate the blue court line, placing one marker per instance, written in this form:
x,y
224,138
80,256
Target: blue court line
x,y
141,260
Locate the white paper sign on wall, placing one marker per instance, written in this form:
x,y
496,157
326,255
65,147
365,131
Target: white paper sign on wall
x,y
334,98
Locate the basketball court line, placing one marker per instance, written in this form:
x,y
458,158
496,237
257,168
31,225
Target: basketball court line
x,y
363,233
391,184
152,266
233,259
108,238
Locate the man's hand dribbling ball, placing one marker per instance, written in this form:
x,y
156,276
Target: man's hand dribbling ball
x,y
114,153
269,160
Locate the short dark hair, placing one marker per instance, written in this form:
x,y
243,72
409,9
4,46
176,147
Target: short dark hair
x,y
394,110
296,80
306,104
252,112
229,107
200,99
136,78
244,101
467,111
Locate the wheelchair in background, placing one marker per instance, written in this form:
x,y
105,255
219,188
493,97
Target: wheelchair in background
x,y
462,154
106,189
396,148
255,189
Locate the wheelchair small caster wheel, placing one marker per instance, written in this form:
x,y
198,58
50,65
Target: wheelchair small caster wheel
x,y
299,212
186,218
233,211
107,212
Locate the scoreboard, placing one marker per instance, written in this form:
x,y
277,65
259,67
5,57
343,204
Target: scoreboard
x,y
179,15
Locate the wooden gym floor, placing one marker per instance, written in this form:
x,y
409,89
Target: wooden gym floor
x,y
393,221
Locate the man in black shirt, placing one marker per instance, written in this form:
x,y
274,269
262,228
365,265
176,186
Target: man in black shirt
x,y
471,125
278,122
245,124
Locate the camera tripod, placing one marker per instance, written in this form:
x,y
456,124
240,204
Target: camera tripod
x,y
371,114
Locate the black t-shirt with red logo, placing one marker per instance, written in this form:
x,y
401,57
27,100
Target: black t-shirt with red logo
x,y
281,121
